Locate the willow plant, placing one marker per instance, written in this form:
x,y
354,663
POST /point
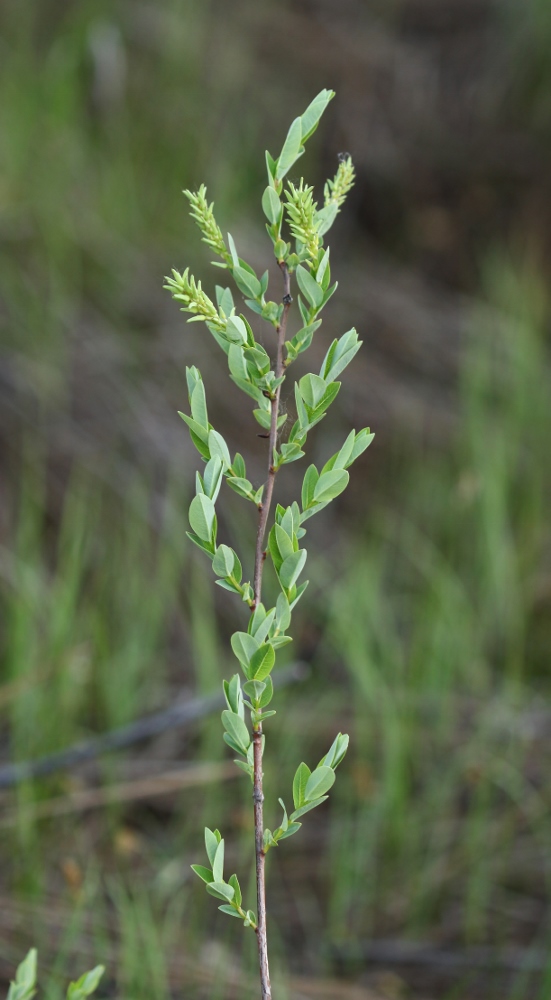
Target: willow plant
x,y
304,258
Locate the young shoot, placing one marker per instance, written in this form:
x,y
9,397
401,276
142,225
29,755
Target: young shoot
x,y
296,227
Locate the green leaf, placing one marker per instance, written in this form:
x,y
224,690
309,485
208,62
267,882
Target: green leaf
x,y
299,593
211,843
363,440
244,647
262,662
212,478
236,331
330,484
264,418
292,149
236,728
284,543
224,298
247,768
291,568
271,165
258,361
326,217
234,882
309,120
254,690
223,561
221,890
261,629
336,751
323,271
328,397
312,389
307,807
86,985
230,910
255,305
291,829
233,250
23,986
241,486
287,522
300,781
198,405
201,517
204,873
290,452
247,283
311,477
267,694
227,585
204,546
229,740
301,409
198,435
343,456
309,287
304,311
283,614
319,782
340,355
218,863
238,465
274,550
234,698
301,340
268,840
285,820
271,206
260,692
278,641
219,448
261,716
256,619
236,363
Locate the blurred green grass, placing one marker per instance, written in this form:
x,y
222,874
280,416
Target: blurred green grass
x,y
432,647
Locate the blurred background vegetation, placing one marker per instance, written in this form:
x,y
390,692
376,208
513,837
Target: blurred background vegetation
x,y
429,875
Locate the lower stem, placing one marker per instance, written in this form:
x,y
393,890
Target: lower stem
x,y
258,798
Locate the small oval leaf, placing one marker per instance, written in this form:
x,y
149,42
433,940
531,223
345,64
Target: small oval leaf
x,y
319,782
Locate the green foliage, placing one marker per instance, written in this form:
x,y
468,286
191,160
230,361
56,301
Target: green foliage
x,y
252,370
23,987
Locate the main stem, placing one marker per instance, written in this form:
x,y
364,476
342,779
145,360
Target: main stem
x,y
260,555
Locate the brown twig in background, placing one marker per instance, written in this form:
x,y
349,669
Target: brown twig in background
x,y
135,732
164,783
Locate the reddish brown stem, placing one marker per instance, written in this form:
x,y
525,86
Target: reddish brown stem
x,y
260,555
269,486
258,799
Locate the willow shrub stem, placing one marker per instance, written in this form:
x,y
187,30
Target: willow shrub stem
x,y
260,556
